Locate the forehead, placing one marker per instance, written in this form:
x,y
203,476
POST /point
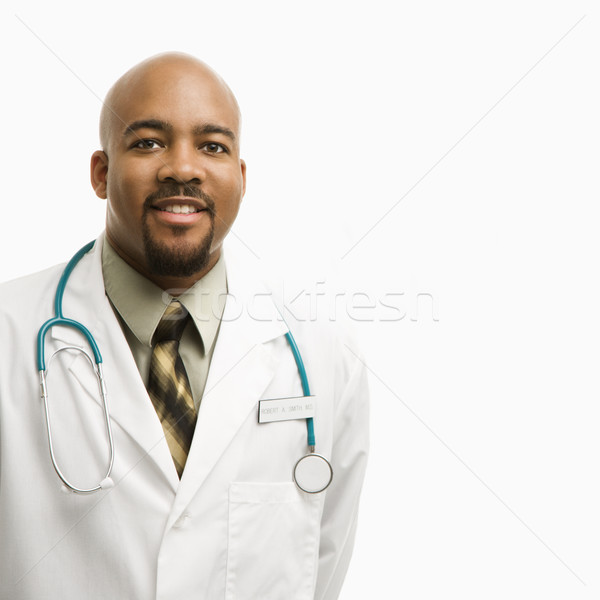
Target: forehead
x,y
184,95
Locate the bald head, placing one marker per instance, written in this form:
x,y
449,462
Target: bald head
x,y
170,168
157,76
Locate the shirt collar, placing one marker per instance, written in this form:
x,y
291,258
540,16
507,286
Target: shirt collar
x,y
141,304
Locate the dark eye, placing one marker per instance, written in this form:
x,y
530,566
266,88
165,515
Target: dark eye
x,y
146,144
214,148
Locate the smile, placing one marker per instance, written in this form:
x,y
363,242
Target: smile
x,y
184,209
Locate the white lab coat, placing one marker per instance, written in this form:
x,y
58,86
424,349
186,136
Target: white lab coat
x,y
236,526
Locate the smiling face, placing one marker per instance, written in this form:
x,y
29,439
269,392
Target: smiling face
x,y
170,168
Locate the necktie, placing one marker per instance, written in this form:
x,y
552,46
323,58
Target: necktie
x,y
169,387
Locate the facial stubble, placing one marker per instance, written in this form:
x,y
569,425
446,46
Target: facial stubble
x,y
180,258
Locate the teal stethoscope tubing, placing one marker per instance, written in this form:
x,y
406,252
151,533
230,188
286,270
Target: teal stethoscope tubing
x,y
305,387
59,319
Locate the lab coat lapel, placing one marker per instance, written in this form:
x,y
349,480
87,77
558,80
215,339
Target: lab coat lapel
x,y
130,406
242,366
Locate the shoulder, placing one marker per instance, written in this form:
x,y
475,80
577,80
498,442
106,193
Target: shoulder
x,y
21,298
311,310
323,331
25,304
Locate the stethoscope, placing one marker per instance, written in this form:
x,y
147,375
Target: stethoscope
x,y
312,473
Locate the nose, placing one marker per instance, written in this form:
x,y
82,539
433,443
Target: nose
x,y
182,164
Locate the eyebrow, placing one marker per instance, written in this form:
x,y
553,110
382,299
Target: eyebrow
x,y
147,124
159,125
211,128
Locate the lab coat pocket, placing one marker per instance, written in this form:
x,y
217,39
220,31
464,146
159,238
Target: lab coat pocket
x,y
273,542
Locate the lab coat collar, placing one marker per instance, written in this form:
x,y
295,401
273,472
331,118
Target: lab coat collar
x,y
130,406
242,366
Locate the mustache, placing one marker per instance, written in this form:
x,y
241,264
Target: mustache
x,y
168,190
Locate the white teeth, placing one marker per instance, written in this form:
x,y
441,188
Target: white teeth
x,y
184,209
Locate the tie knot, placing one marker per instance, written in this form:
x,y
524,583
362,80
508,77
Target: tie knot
x,y
172,324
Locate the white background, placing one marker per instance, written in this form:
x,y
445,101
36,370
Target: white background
x,y
446,151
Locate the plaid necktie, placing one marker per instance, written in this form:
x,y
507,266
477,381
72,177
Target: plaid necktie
x,y
169,387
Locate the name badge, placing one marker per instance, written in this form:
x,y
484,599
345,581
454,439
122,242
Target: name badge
x,y
286,409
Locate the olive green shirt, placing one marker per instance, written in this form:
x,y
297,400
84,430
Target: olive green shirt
x,y
140,304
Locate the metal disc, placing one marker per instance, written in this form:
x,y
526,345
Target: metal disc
x,y
313,473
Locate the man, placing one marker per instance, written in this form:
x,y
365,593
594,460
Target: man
x,y
201,501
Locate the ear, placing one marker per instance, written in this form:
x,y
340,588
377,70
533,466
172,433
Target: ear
x,y
99,172
243,169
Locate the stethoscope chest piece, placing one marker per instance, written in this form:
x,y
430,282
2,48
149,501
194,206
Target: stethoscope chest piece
x,y
313,473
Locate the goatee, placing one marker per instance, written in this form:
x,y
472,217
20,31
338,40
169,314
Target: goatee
x,y
182,259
